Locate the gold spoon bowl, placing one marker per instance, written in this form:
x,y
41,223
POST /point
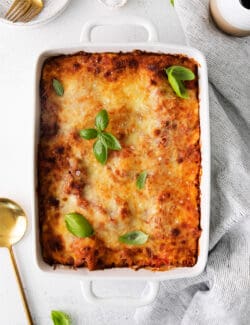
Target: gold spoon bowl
x,y
13,224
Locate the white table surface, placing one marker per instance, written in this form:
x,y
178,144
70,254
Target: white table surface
x,y
18,51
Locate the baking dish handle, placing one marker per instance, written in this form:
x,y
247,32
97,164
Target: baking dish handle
x,y
128,301
119,20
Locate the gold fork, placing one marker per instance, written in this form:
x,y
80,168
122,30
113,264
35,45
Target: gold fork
x,y
24,10
17,9
35,8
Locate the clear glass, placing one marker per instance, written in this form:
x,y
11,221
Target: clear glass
x,y
113,3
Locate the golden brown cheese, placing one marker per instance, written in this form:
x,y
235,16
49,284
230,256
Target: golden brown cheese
x,y
159,133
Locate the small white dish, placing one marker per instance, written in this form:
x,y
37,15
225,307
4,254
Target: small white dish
x,y
52,9
113,3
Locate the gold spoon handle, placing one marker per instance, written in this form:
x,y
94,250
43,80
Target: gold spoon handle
x,y
19,282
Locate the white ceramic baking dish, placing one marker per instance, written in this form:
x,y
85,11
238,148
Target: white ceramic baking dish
x,y
153,277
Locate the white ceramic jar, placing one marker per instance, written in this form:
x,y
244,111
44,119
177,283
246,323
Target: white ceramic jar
x,y
232,16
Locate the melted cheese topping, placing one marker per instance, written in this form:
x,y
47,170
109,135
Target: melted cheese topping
x,y
159,133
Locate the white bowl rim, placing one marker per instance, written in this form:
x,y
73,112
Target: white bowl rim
x,y
36,23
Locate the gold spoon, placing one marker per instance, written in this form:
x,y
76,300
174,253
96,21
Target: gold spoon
x,y
13,224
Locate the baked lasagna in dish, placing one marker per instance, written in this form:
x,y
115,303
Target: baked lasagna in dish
x,y
148,187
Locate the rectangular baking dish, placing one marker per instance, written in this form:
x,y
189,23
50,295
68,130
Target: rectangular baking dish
x,y
152,45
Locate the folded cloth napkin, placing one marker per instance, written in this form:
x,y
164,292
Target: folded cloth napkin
x,y
221,294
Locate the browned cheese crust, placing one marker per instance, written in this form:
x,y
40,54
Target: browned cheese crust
x,y
159,133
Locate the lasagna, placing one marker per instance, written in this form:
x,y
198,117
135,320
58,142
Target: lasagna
x,y
159,133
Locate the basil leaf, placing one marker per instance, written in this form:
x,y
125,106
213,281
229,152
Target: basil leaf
x,y
60,318
58,87
78,225
141,180
172,2
110,141
105,140
102,120
176,74
88,134
181,73
100,151
134,238
178,87
183,90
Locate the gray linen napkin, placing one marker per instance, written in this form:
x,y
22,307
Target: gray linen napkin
x,y
221,294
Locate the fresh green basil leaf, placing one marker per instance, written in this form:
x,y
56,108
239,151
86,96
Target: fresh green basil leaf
x,y
60,318
110,141
181,73
100,151
141,180
176,74
78,225
172,2
58,87
136,237
102,120
178,87
183,90
88,134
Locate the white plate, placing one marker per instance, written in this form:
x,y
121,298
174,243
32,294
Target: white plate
x,y
52,8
